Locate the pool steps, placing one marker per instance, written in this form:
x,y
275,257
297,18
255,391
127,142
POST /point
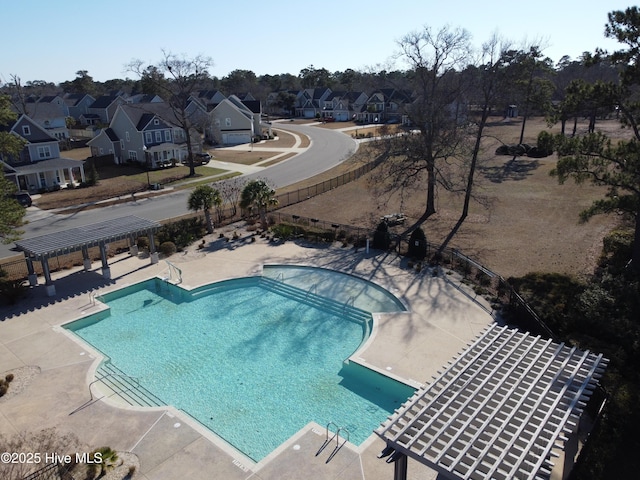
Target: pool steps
x,y
309,297
126,387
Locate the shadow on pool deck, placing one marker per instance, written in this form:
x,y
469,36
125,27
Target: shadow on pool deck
x,y
412,346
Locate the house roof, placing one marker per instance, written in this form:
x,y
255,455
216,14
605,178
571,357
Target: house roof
x,y
142,113
111,134
37,134
103,101
50,165
498,410
254,105
43,111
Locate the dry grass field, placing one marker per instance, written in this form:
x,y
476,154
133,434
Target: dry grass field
x,y
529,224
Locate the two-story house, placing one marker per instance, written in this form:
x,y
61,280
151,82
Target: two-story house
x,y
310,102
52,116
385,105
77,104
103,109
39,166
232,123
343,106
144,133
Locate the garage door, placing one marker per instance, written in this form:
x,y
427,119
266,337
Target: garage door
x,y
235,138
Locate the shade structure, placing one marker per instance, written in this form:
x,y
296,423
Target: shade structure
x,y
74,239
498,409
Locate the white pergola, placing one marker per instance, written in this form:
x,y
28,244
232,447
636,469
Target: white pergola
x,y
497,411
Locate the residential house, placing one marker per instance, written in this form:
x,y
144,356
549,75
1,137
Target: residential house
x,y
144,98
52,116
311,101
210,98
39,166
343,106
144,133
385,105
104,107
232,123
77,104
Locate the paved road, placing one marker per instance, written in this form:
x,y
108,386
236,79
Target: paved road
x,y
328,148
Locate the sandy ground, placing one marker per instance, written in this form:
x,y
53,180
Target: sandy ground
x,y
529,222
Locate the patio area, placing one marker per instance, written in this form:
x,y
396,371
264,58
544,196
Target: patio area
x,y
444,317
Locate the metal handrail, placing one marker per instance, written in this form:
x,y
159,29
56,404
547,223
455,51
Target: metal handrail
x,y
178,271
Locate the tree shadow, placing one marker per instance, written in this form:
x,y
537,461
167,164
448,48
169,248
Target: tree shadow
x,y
518,168
71,286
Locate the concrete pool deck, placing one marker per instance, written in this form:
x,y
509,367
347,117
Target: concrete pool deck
x,y
412,346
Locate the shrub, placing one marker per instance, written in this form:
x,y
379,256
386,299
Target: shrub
x,y
12,290
283,230
417,244
545,143
142,243
168,248
381,237
183,232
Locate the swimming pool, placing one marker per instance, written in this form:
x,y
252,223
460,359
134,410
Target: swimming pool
x,y
253,359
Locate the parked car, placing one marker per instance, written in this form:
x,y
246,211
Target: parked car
x,y
199,159
23,198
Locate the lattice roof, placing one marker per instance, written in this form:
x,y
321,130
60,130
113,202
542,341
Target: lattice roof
x,y
86,236
499,409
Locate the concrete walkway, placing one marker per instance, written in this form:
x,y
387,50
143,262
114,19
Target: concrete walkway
x,y
411,346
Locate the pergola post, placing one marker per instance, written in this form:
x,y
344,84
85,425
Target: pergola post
x,y
85,258
106,271
49,287
133,247
33,278
152,249
400,467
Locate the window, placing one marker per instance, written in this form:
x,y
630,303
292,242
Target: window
x,y
147,137
156,121
158,136
133,155
26,130
227,122
58,182
44,152
126,136
43,179
121,144
101,151
167,135
216,122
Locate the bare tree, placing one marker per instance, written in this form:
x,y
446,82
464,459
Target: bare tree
x,y
177,79
436,60
490,79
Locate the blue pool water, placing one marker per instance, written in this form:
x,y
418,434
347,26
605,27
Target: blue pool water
x,y
251,359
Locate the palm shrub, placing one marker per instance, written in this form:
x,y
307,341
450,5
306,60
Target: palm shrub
x,y
259,195
205,197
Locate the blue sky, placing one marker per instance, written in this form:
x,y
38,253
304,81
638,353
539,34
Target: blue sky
x,y
52,40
